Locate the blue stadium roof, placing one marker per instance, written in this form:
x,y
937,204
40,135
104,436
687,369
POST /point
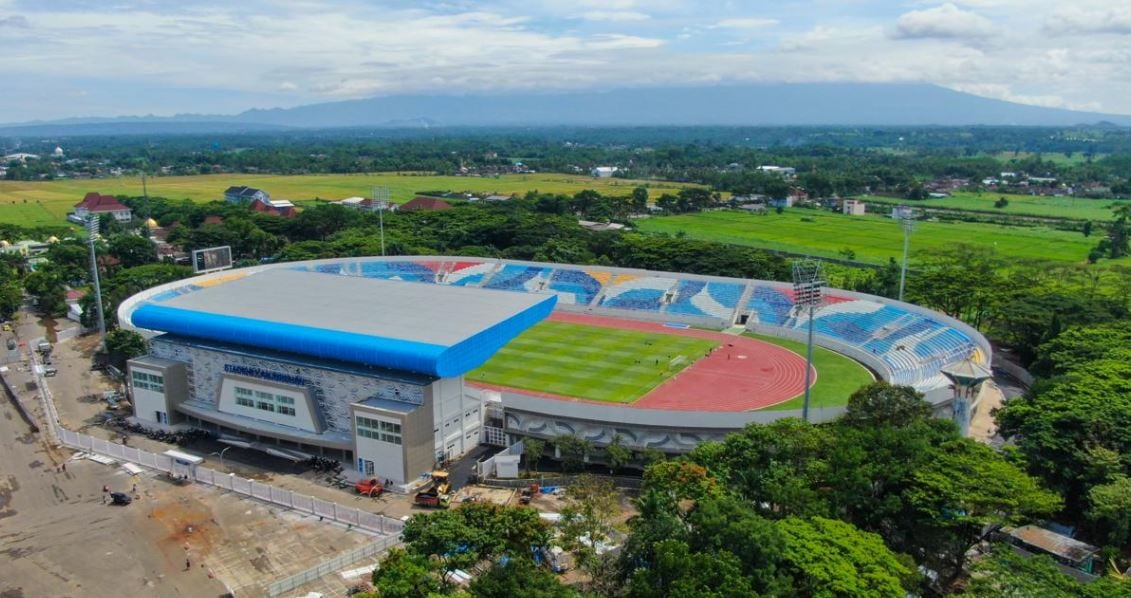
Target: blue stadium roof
x,y
431,329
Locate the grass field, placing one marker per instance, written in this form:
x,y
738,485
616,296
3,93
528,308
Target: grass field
x,y
589,362
837,376
873,238
1075,208
44,203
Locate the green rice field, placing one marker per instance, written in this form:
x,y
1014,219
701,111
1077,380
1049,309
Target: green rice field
x,y
837,375
1073,208
45,203
872,238
589,362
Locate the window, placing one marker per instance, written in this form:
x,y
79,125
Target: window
x,y
146,381
265,401
379,430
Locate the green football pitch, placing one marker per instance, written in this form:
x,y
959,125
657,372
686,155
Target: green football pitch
x,y
589,362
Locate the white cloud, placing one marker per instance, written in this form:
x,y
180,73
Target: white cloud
x,y
614,16
1082,20
746,23
267,53
942,22
18,21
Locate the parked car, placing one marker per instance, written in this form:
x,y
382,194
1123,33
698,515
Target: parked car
x,y
120,498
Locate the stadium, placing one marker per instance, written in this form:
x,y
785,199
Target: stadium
x,y
395,364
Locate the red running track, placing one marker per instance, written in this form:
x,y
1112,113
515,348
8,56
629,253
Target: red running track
x,y
742,374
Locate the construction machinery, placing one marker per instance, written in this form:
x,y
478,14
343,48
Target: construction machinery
x,y
438,493
371,488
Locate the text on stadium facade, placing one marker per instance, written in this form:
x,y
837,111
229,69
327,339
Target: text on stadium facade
x,y
251,372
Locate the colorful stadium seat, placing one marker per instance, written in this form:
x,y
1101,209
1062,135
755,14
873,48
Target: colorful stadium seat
x,y
517,277
641,293
712,299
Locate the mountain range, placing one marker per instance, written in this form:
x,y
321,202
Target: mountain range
x,y
779,104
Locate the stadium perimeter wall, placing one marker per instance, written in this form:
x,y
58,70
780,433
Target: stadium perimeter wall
x,y
638,428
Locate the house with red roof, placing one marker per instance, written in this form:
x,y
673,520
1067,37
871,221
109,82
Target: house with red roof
x,y
275,207
422,203
97,204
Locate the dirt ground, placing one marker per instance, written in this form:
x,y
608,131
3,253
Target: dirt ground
x,y
231,542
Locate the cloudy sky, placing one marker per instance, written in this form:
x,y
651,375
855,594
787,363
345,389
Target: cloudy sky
x,y
126,57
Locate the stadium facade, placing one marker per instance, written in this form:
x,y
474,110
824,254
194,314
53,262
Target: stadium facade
x,y
363,359
365,370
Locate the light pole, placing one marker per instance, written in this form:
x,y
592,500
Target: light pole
x,y
907,222
91,233
808,292
221,454
380,202
966,377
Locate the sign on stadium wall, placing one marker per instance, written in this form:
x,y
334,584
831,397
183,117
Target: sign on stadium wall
x,y
212,259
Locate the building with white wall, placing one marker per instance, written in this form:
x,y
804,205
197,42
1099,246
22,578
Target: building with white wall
x,y
302,363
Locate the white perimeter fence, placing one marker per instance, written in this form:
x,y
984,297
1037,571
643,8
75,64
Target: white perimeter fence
x,y
371,522
335,564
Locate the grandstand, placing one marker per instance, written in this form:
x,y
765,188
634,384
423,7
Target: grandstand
x,y
900,342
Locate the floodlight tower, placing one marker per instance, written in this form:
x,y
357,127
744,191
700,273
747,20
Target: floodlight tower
x,y
380,203
92,232
907,223
808,292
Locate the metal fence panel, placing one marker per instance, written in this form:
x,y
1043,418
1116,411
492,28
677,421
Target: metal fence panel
x,y
281,497
323,508
241,485
348,515
303,503
261,491
163,462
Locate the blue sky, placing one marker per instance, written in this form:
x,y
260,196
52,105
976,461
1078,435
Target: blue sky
x,y
135,57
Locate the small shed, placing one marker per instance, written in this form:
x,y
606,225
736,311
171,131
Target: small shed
x,y
183,464
1068,552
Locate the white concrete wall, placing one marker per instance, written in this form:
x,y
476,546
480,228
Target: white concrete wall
x,y
147,402
457,417
387,458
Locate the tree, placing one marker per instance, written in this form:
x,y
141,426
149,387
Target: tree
x,y
532,449
585,521
460,538
1110,510
47,286
573,451
676,572
519,578
1004,572
832,558
1087,230
123,345
639,200
11,289
132,250
963,490
403,574
881,404
963,281
617,454
728,524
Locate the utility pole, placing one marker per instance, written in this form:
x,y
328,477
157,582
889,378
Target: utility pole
x,y
808,292
907,222
92,232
